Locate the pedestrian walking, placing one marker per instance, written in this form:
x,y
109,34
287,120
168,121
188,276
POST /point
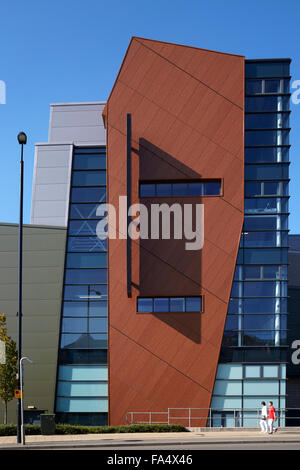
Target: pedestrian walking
x,y
264,418
272,418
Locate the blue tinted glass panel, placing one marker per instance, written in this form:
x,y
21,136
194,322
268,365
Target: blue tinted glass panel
x,y
258,338
260,289
84,325
267,172
86,260
71,309
84,389
271,272
83,341
259,322
230,338
83,227
147,190
266,154
82,293
88,194
89,162
232,322
253,87
253,189
267,69
252,272
83,211
89,178
272,86
267,121
86,276
78,373
211,188
161,304
259,239
180,189
164,189
259,305
267,103
145,305
81,405
271,188
177,304
88,244
257,138
193,304
261,222
196,189
257,205
265,256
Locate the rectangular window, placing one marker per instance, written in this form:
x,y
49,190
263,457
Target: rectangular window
x,y
86,260
169,304
85,292
262,137
86,244
266,188
267,120
92,161
266,154
267,103
267,69
89,178
173,189
265,222
88,194
84,211
266,172
86,276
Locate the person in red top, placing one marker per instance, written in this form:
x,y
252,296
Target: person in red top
x,y
272,418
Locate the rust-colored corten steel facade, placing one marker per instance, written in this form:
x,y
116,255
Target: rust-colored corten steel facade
x,y
187,108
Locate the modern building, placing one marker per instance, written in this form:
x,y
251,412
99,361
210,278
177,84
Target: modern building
x,y
165,328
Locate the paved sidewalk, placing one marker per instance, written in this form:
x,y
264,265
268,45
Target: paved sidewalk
x,y
153,440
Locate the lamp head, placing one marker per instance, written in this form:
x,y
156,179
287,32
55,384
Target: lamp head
x,y
22,138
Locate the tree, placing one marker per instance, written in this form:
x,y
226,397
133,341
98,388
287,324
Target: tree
x,y
9,370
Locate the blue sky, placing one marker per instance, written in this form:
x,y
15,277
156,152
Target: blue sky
x,y
71,50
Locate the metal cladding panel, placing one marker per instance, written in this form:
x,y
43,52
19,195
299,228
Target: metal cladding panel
x,y
187,108
43,270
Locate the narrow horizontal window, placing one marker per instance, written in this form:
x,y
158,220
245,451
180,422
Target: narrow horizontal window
x,y
267,103
89,178
267,120
173,189
93,161
169,304
85,293
86,260
89,194
86,276
266,172
269,137
266,154
267,69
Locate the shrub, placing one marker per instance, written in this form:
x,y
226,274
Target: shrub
x,y
65,429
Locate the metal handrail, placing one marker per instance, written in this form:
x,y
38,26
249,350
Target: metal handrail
x,y
209,416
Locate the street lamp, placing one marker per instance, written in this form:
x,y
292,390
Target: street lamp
x,y
22,401
22,139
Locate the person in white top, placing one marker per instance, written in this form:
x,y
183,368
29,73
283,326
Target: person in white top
x,y
264,418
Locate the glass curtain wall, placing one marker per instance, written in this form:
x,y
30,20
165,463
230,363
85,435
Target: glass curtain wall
x,y
252,364
82,381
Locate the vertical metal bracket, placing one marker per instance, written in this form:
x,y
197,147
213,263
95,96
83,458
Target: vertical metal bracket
x,y
128,238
